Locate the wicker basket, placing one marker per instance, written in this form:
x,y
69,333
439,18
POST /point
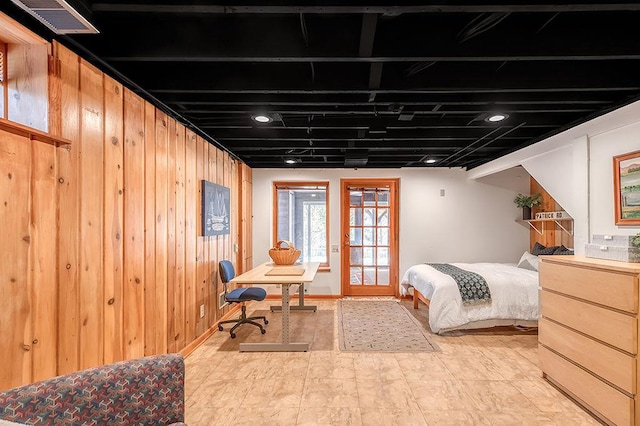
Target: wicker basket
x,y
284,255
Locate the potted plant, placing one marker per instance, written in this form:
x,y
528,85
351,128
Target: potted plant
x,y
526,202
635,240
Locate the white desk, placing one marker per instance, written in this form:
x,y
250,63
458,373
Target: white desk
x,y
257,276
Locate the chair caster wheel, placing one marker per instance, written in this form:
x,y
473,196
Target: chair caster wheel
x,y
233,335
266,321
220,328
262,330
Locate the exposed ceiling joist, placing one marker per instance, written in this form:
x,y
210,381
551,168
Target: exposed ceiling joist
x,y
421,91
378,59
384,10
395,84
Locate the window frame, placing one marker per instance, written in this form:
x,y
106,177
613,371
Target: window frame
x,y
293,185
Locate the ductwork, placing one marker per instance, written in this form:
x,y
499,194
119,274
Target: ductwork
x,y
57,15
356,157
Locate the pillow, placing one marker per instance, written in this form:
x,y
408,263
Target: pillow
x,y
562,250
539,249
529,261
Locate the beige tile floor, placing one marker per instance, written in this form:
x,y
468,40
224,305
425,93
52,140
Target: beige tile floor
x,y
477,379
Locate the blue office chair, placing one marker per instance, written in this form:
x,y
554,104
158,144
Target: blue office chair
x,y
240,295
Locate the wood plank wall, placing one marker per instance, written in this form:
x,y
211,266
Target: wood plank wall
x,y
102,258
3,80
552,235
27,80
246,216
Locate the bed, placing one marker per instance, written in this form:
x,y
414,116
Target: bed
x,y
514,296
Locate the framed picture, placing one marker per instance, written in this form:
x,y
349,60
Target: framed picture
x,y
216,205
626,188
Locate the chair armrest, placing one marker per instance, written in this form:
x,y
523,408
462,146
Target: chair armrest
x,y
146,390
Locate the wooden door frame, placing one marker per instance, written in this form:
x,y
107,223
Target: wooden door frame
x,y
394,255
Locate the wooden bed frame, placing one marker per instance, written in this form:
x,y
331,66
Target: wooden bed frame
x,y
488,324
418,296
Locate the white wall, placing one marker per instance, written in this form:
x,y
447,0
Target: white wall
x,y
563,173
473,222
576,168
603,148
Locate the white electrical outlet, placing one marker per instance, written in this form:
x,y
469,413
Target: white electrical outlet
x,y
202,311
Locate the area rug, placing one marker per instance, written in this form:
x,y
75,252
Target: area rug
x,y
380,326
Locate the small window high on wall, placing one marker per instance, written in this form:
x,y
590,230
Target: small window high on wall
x,y
301,215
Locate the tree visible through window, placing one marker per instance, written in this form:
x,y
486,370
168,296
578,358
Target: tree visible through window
x,y
301,217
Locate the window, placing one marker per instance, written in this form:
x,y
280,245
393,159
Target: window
x,y
301,216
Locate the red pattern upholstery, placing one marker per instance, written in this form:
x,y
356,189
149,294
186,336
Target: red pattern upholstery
x,y
143,391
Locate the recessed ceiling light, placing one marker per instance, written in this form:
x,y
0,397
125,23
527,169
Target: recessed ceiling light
x,y
494,118
261,118
290,161
431,161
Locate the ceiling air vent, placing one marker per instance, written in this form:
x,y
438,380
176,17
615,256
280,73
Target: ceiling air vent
x,y
356,157
58,15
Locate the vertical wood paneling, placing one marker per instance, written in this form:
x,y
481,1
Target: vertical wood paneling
x,y
552,235
150,228
43,237
113,221
3,84
215,243
133,303
28,85
15,324
548,237
191,235
201,242
171,235
91,205
159,325
134,238
247,218
55,94
180,219
124,272
68,214
235,215
228,182
227,240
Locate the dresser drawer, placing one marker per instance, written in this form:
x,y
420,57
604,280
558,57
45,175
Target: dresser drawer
x,y
617,329
614,289
614,405
610,364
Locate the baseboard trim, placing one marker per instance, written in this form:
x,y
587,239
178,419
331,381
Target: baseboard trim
x,y
195,344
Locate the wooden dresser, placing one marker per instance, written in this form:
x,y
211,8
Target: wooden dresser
x,y
588,333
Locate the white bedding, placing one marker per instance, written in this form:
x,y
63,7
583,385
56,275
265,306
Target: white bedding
x,y
514,294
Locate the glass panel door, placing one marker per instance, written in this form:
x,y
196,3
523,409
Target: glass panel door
x,y
369,251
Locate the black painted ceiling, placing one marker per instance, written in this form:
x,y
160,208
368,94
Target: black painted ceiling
x,y
370,84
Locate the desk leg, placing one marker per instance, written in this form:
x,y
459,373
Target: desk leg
x,y
286,345
301,306
285,314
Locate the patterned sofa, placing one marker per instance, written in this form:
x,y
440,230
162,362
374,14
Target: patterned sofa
x,y
143,391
